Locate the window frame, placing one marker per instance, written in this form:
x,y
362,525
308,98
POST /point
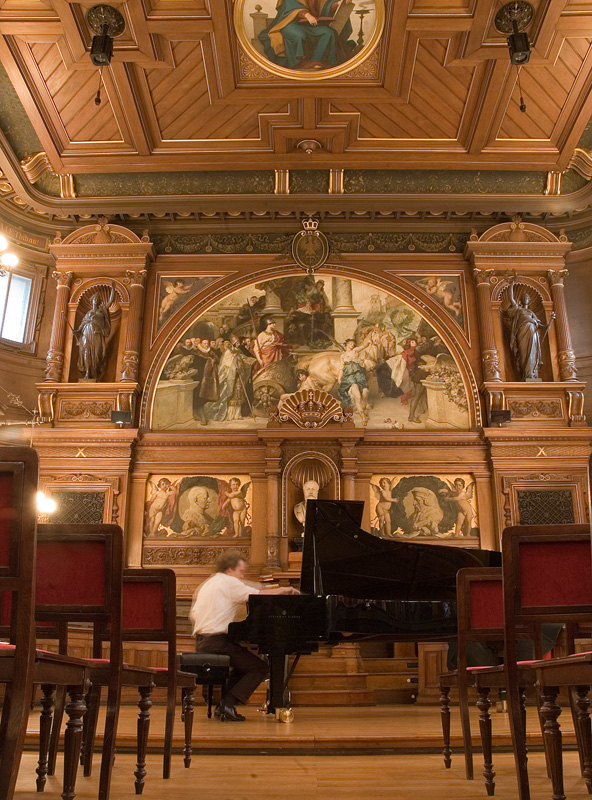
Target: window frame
x,y
36,275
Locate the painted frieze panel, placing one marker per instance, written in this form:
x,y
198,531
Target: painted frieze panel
x,y
198,507
423,506
373,352
445,290
173,291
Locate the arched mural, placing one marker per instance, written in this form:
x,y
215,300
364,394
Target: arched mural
x,y
371,350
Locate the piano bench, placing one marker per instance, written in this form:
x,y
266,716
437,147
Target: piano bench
x,y
210,669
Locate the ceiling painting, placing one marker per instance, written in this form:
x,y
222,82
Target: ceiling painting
x,y
373,352
309,39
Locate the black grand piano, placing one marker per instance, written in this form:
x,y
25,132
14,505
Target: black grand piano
x,y
356,586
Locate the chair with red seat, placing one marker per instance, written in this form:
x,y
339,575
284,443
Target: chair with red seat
x,y
547,578
149,615
21,665
480,618
79,580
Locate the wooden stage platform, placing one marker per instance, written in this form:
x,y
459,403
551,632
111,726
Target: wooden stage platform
x,y
325,754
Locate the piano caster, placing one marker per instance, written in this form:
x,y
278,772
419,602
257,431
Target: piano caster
x,y
284,715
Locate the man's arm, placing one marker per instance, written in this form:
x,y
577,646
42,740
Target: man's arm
x,y
280,590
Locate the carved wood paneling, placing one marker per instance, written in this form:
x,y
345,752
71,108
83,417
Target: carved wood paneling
x,y
180,81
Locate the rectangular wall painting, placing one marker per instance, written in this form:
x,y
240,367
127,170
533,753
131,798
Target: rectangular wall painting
x,y
423,506
198,507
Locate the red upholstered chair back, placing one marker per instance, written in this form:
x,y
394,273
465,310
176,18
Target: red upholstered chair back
x,y
480,608
149,608
19,469
547,572
79,577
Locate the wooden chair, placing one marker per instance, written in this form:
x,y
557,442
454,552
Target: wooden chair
x,y
79,580
480,615
21,665
149,615
547,578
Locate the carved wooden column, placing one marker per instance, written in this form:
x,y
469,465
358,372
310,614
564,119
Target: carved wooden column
x,y
130,358
489,353
348,472
55,354
273,471
565,353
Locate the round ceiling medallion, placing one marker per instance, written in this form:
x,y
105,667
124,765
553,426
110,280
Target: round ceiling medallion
x,y
518,11
99,16
309,40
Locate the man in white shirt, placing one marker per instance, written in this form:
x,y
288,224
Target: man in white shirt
x,y
214,607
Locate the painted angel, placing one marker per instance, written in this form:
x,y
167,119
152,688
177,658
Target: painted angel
x,y
384,500
174,291
460,495
233,503
444,291
161,506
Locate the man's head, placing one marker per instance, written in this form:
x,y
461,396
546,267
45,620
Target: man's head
x,y
310,490
231,562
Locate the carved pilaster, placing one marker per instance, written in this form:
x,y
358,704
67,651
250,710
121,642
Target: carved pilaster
x,y
348,471
565,353
273,471
130,358
489,353
55,354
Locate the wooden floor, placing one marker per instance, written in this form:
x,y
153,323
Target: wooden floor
x,y
326,753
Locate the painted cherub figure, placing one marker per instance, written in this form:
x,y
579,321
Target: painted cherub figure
x,y
236,503
459,494
444,291
384,495
162,502
174,291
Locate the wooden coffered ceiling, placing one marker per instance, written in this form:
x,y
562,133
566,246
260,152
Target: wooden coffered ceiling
x,y
180,95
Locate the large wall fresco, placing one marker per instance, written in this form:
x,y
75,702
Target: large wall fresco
x,y
198,507
423,506
369,349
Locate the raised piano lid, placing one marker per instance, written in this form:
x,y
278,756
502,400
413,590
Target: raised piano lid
x,y
341,558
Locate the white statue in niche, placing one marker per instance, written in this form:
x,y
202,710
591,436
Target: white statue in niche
x,y
310,490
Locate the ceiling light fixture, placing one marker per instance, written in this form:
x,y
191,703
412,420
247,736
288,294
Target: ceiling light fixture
x,y
513,18
7,260
107,23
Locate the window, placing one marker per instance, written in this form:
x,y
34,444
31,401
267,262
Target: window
x,y
15,293
20,298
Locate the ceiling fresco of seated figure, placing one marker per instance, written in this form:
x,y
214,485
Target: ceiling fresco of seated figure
x,y
252,349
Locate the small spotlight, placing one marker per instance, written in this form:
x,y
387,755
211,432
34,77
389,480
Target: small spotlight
x,y
519,46
101,50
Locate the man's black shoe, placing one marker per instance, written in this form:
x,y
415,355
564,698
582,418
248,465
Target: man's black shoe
x,y
231,714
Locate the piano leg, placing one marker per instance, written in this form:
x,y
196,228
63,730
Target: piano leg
x,y
276,696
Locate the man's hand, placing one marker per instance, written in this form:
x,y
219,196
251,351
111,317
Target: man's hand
x,y
310,19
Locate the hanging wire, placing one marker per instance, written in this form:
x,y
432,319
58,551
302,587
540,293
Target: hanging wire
x,y
98,94
522,103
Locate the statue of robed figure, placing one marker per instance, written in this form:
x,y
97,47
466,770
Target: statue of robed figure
x,y
527,334
92,335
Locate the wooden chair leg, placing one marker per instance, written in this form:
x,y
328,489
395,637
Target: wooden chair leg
x,y
484,704
75,711
93,702
463,701
15,713
210,700
445,718
575,702
56,727
517,720
168,729
583,725
144,704
188,700
45,720
108,758
550,712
